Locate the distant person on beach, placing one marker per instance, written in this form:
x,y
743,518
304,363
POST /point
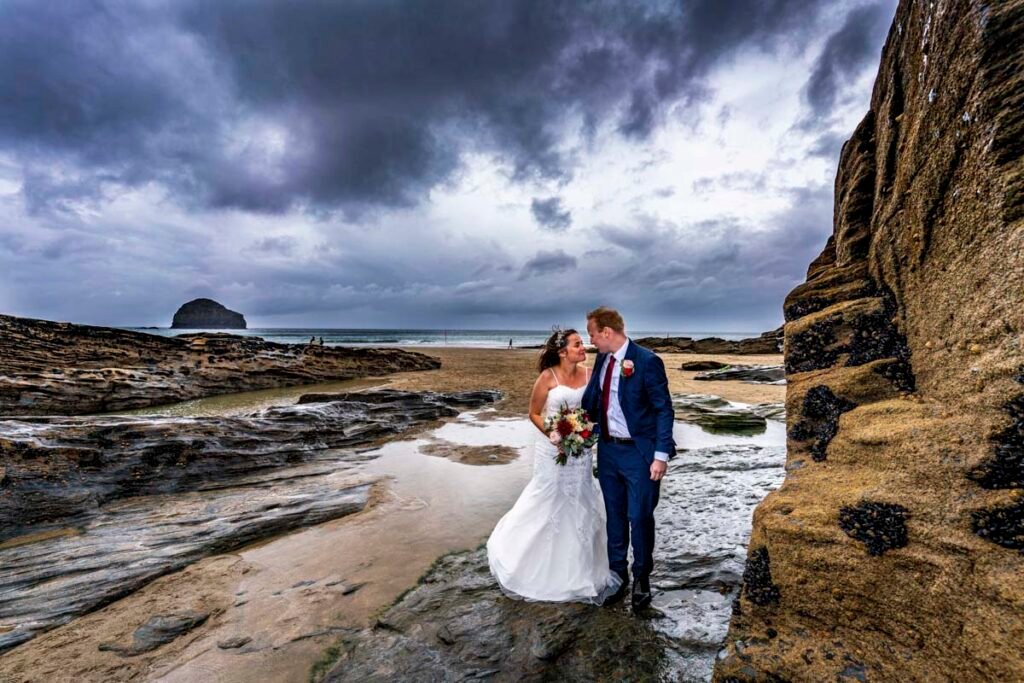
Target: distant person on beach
x,y
312,340
510,344
321,341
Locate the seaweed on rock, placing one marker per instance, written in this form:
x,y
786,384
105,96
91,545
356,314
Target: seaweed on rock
x,y
820,419
1002,525
809,350
879,526
1005,469
757,579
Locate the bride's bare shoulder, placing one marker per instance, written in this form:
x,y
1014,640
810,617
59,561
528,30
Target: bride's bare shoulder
x,y
546,379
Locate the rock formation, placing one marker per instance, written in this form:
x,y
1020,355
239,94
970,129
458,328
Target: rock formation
x,y
768,342
456,625
893,551
207,314
716,416
49,368
92,508
701,365
754,374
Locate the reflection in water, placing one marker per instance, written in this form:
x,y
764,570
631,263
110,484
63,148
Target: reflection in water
x,y
690,437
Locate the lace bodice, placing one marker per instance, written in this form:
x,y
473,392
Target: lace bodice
x,y
562,395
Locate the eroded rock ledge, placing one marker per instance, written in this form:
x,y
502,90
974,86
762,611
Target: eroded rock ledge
x,y
50,368
893,551
92,508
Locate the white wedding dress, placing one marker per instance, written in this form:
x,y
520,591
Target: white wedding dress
x,y
552,545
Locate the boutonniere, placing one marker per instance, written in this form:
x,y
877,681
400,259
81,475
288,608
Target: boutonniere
x,y
627,368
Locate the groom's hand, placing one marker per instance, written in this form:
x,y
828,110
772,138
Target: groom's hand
x,y
658,469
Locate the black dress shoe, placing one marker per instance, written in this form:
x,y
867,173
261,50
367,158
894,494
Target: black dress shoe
x,y
617,596
641,593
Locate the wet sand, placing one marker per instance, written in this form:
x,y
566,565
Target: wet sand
x,y
293,594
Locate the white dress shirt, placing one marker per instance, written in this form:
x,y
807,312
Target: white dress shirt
x,y
616,419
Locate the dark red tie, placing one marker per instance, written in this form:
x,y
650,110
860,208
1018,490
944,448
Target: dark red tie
x,y
606,391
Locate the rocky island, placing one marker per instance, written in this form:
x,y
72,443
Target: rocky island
x,y
893,551
207,314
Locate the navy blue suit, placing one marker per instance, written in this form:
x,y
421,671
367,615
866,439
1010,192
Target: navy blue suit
x,y
624,470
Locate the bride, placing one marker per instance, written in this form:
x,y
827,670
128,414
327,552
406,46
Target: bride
x,y
552,544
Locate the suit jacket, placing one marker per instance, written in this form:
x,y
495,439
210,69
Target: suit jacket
x,y
644,398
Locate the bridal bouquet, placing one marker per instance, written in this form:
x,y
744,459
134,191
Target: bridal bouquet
x,y
571,431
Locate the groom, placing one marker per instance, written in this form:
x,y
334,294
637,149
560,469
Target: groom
x,y
628,392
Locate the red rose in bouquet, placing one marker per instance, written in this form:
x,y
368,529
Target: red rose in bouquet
x,y
571,431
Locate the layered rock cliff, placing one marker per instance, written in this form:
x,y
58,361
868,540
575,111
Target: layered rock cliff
x,y
50,368
893,551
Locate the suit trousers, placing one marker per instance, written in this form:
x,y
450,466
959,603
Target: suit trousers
x,y
629,501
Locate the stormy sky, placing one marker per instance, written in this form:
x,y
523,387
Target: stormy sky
x,y
455,163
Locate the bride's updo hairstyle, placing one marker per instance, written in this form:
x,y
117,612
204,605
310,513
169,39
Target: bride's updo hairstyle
x,y
549,357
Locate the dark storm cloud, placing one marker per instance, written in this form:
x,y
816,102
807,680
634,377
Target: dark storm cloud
x,y
852,48
269,105
547,262
549,213
281,245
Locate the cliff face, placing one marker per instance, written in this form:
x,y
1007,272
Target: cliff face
x,y
895,548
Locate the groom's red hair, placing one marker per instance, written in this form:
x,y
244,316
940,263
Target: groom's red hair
x,y
607,317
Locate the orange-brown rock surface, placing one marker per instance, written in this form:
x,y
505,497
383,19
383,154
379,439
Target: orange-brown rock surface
x,y
51,368
894,551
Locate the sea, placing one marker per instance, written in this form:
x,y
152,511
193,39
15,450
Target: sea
x,y
396,337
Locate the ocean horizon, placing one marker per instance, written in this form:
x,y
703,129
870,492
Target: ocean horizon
x,y
468,338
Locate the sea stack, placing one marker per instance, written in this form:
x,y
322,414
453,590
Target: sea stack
x,y
207,314
894,550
